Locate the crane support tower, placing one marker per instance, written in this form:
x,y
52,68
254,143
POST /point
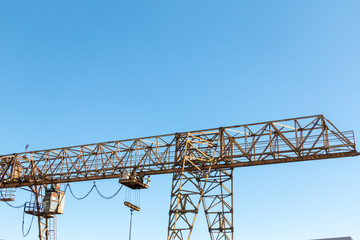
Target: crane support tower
x,y
201,163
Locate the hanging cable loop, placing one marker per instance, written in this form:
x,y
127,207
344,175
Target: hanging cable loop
x,y
79,198
91,189
21,206
23,222
105,197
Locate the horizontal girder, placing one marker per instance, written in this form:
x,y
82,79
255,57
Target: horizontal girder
x,y
288,140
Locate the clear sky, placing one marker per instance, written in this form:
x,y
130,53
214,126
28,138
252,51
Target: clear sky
x,y
76,72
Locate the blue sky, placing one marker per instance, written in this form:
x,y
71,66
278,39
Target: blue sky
x,y
76,72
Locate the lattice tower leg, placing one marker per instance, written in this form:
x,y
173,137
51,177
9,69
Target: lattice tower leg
x,y
188,185
218,204
184,206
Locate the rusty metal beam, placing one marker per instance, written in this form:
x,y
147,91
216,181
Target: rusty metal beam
x,y
201,162
170,171
288,140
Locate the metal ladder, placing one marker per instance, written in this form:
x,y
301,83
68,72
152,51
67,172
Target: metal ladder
x,y
48,226
52,228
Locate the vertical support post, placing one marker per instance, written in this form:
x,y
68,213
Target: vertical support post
x,y
325,134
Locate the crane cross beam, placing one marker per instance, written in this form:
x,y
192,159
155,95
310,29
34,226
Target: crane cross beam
x,y
288,140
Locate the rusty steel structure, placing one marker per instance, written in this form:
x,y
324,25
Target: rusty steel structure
x,y
201,162
46,221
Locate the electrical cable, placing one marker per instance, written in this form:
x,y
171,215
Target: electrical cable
x,y
92,188
105,197
10,204
79,198
23,221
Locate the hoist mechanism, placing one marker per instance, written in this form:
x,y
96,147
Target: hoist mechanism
x,y
132,206
201,163
134,179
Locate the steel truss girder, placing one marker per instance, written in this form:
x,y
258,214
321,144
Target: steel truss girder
x,y
201,163
288,140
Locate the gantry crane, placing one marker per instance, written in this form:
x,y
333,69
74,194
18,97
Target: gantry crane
x,y
201,162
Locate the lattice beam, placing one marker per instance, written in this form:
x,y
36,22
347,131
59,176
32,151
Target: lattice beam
x,y
288,140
